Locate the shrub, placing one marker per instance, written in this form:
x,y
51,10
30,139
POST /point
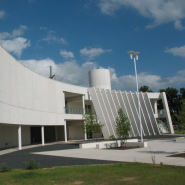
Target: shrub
x,y
5,168
31,165
112,137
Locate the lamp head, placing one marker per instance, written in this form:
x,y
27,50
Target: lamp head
x,y
131,56
136,53
129,52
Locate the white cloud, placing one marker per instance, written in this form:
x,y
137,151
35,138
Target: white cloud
x,y
177,51
2,14
161,11
51,37
181,72
43,28
93,52
16,32
63,41
66,54
128,82
15,45
71,72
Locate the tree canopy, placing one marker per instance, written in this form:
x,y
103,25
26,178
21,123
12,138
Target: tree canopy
x,y
145,88
92,124
122,125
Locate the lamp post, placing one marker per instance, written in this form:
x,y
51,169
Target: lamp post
x,y
136,58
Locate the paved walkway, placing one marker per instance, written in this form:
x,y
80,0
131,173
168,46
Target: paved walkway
x,y
159,149
16,158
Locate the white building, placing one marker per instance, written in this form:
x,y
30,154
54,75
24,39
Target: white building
x,y
34,108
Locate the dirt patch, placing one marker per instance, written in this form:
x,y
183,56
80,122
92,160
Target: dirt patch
x,y
123,148
177,155
128,179
78,182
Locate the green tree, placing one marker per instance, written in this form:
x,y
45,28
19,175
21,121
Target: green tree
x,y
174,99
91,124
181,116
182,92
122,126
145,88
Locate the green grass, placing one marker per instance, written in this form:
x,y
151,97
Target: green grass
x,y
124,173
179,131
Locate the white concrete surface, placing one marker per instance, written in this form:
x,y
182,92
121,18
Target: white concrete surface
x,y
158,148
93,145
180,140
100,78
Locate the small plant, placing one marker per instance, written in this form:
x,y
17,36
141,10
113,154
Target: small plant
x,y
153,159
5,168
31,165
122,126
161,163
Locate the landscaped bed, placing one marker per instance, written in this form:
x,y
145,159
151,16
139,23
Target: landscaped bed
x,y
122,173
122,148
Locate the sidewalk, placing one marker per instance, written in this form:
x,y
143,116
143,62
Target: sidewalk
x,y
159,149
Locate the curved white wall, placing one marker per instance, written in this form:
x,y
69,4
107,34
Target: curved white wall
x,y
27,98
100,78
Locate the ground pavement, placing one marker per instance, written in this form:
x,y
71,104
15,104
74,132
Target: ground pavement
x,y
61,154
157,149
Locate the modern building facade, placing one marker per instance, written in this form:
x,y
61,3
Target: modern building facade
x,y
34,108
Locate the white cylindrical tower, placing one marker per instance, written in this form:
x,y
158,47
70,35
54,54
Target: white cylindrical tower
x,y
100,78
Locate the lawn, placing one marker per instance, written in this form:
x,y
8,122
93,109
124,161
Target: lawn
x,y
123,173
179,131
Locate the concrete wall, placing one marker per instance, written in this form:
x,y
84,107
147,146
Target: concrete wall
x,y
107,103
9,135
27,98
74,130
100,78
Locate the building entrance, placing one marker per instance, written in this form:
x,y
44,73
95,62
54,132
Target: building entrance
x,y
35,134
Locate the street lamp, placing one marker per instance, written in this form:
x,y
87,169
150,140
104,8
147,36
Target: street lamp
x,y
136,58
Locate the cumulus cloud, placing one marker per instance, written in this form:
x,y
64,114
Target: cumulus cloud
x,y
51,37
93,52
160,11
16,32
13,43
66,54
155,82
68,72
2,14
73,73
177,51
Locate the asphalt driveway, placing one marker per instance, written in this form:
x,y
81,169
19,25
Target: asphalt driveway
x,y
17,158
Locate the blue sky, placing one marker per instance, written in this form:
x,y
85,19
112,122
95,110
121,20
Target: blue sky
x,y
75,36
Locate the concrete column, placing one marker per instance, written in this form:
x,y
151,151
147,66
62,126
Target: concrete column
x,y
19,138
64,101
155,107
56,133
83,103
65,131
42,135
85,132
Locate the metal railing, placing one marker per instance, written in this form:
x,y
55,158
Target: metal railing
x,y
159,111
71,110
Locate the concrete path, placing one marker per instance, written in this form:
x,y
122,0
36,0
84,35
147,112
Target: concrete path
x,y
159,149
